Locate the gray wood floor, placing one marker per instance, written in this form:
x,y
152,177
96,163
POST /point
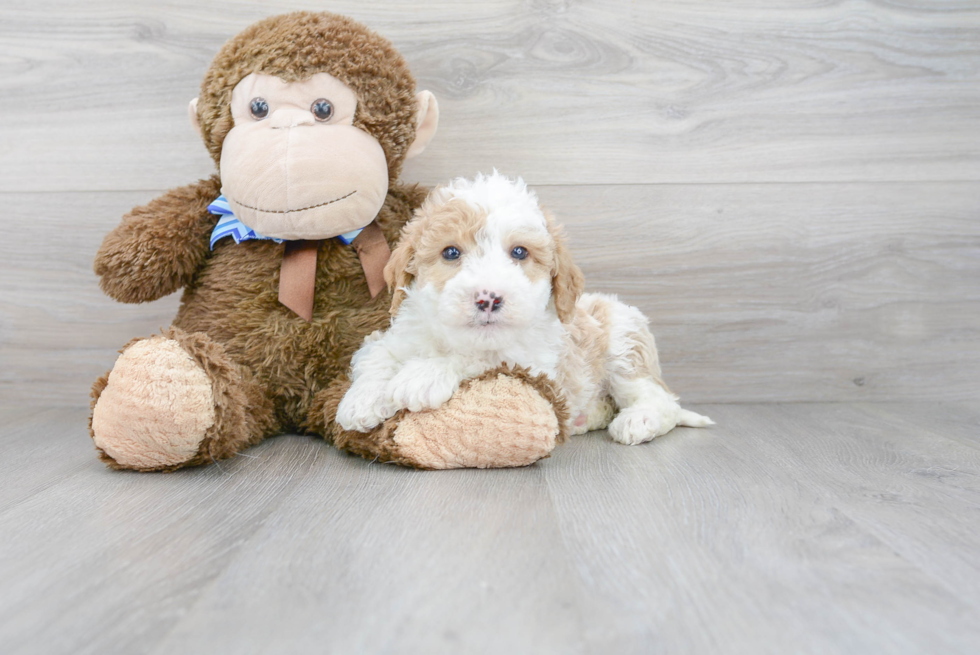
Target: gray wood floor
x,y
819,528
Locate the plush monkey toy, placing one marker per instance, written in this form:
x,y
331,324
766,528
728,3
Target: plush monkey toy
x,y
309,117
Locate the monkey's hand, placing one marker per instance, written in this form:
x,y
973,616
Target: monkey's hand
x,y
158,247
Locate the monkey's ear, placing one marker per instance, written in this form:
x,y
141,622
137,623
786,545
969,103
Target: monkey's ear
x,y
426,122
192,114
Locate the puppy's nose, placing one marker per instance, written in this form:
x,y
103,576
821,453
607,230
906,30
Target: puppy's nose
x,y
488,301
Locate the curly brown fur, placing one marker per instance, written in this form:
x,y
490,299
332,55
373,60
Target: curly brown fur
x,y
299,45
377,445
158,247
234,299
244,412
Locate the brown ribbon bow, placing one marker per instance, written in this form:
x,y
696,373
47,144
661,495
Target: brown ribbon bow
x,y
297,276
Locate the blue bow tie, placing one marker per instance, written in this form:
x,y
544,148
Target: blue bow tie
x,y
229,226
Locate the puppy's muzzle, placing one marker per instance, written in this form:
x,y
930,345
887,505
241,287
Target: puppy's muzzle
x,y
488,301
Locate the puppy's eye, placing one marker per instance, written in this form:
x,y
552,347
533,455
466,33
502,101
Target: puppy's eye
x,y
451,253
259,108
322,109
519,252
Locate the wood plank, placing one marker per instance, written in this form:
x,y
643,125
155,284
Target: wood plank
x,y
957,421
793,292
713,541
370,558
107,562
597,92
40,447
755,292
913,488
785,527
58,331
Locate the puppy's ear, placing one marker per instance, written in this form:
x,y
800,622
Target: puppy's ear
x,y
400,269
567,281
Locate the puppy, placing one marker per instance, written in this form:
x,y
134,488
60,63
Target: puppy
x,y
483,277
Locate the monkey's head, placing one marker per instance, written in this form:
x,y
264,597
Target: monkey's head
x,y
309,116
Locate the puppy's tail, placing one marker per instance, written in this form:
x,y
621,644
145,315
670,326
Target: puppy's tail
x,y
691,419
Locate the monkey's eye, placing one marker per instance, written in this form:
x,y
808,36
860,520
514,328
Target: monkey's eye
x,y
322,109
519,252
451,253
259,108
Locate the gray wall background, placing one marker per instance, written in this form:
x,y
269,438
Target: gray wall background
x,y
788,189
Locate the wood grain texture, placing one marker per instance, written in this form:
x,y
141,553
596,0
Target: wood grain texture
x,y
722,541
604,91
460,563
913,487
820,528
755,292
124,555
793,292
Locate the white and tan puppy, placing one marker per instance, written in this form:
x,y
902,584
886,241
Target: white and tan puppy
x,y
482,277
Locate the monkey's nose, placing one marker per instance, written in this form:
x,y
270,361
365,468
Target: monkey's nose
x,y
488,301
286,117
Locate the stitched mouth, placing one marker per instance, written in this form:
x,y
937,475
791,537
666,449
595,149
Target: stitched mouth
x,y
290,211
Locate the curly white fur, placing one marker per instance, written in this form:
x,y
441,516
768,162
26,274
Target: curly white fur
x,y
457,317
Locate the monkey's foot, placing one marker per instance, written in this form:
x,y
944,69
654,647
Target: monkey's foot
x,y
156,407
502,419
177,400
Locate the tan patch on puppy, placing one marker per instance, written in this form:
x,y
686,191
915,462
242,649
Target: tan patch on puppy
x,y
567,281
540,261
452,224
590,332
583,368
642,356
436,226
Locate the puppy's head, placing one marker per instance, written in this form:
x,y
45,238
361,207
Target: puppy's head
x,y
487,258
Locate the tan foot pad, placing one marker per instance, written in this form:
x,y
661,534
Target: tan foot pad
x,y
156,408
496,422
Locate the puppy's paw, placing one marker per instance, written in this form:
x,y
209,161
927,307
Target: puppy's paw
x,y
422,384
364,407
645,421
638,424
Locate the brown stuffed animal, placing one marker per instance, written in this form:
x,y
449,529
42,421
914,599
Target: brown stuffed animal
x,y
309,117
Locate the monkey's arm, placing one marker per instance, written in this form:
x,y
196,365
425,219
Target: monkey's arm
x,y
158,247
